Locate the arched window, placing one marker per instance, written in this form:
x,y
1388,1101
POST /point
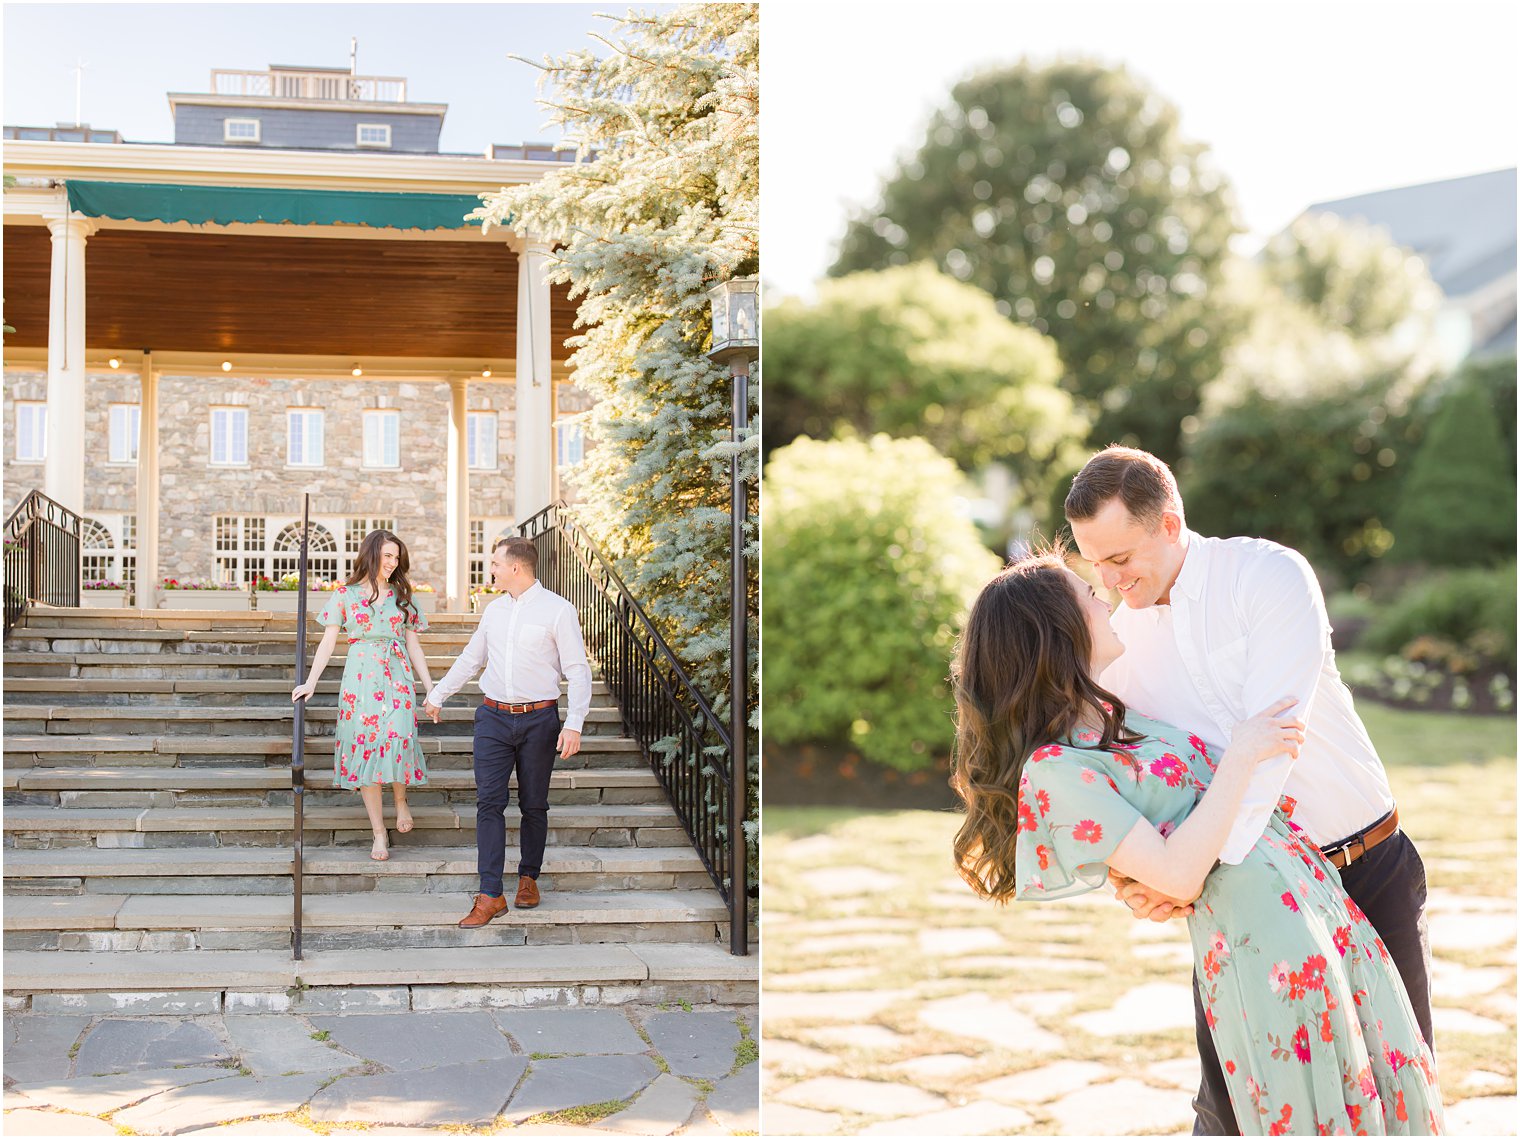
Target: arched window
x,y
321,552
97,549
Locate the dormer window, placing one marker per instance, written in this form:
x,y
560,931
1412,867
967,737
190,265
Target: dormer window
x,y
375,134
240,130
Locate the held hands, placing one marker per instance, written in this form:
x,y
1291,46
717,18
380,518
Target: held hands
x,y
568,744
432,711
1144,903
1267,734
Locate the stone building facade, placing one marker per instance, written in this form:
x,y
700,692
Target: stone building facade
x,y
225,522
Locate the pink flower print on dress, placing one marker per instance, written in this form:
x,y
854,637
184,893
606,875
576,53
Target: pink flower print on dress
x,y
1165,829
1049,751
1290,901
1088,831
1171,768
1042,800
1301,1043
1284,1122
1342,938
1026,817
1277,977
1042,852
1089,775
1314,972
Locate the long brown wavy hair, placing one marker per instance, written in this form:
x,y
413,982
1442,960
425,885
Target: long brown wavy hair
x,y
1022,679
367,569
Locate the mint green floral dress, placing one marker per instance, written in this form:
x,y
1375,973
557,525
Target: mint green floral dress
x,y
1307,1011
378,705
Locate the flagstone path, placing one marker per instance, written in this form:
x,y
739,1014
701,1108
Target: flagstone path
x,y
897,1003
647,1071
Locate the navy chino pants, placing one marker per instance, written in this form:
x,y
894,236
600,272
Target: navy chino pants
x,y
504,742
1388,883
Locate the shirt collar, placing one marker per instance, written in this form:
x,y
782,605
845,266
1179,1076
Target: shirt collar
x,y
530,591
1190,577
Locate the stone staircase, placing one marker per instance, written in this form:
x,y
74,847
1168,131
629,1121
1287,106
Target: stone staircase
x,y
148,842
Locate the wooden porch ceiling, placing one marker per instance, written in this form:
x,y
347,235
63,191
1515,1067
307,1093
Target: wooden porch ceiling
x,y
211,292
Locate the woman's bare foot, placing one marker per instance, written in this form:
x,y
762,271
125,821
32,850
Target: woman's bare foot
x,y
380,851
403,818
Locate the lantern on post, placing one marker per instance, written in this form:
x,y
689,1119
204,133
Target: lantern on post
x,y
736,343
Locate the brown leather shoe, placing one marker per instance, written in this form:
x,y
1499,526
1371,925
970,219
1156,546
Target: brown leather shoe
x,y
486,908
527,893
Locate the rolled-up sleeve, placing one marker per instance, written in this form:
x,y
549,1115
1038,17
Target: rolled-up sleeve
x,y
1287,644
573,664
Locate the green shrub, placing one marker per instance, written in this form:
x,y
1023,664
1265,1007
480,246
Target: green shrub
x,y
1457,507
914,353
1455,607
867,576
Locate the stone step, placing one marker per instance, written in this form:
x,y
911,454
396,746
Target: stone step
x,y
271,786
241,719
244,778
218,692
211,981
51,828
47,617
77,640
167,745
336,870
145,665
105,922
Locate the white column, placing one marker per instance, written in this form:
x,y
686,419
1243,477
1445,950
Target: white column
x,y
63,471
457,504
147,486
533,465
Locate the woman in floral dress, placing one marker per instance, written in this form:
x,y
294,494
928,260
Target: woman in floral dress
x,y
1062,783
378,705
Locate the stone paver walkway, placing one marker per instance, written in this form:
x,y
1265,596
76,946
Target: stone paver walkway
x,y
556,1071
921,1010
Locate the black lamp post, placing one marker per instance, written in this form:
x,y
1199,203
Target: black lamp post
x,y
736,342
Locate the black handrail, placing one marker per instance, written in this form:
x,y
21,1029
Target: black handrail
x,y
42,556
298,746
684,741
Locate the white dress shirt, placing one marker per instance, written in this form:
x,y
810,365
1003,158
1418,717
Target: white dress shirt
x,y
525,645
1247,626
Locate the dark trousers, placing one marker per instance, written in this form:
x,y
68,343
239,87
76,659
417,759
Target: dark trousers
x,y
503,742
1388,882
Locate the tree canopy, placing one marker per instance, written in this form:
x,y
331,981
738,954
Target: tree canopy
x,y
910,351
666,208
1068,193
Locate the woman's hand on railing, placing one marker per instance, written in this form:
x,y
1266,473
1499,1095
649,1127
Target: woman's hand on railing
x,y
303,692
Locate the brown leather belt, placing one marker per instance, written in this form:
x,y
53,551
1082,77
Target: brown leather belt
x,y
518,709
1342,854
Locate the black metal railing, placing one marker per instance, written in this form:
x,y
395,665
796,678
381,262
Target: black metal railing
x,y
687,745
42,557
298,747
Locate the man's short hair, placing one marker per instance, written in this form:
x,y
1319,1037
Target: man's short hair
x,y
1136,478
519,550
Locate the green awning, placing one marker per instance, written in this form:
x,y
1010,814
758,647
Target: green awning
x,y
223,205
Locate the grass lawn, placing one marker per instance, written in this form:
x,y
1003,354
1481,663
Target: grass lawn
x,y
868,902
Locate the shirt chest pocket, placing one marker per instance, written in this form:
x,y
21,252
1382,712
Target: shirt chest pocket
x,y
536,638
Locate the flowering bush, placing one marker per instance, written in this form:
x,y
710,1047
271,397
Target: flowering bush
x,y
195,583
421,587
102,583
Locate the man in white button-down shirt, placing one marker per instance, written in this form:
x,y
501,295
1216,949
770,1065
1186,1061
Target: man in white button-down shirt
x,y
1215,630
526,641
